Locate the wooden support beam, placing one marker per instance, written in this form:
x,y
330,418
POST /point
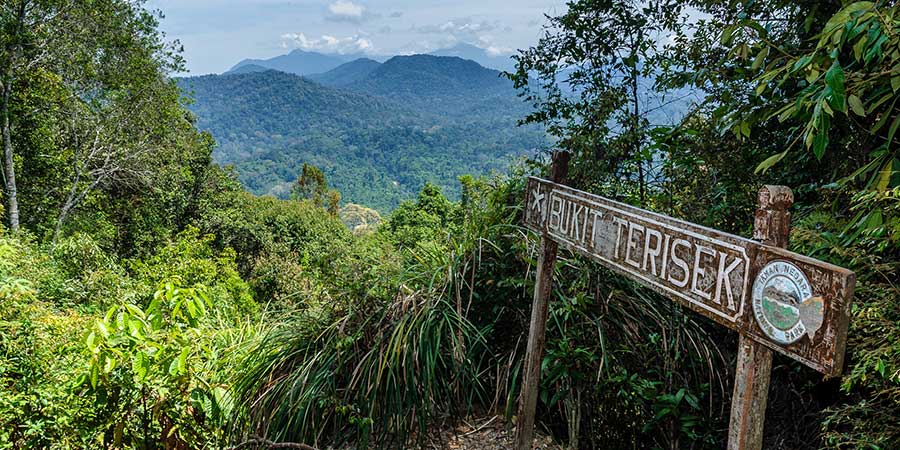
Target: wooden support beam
x,y
754,361
531,376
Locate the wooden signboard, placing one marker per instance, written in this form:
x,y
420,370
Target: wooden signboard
x,y
793,304
790,303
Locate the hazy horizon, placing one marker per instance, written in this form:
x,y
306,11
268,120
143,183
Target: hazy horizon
x,y
217,34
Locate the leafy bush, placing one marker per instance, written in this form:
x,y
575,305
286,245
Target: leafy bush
x,y
38,348
50,301
149,373
192,258
94,278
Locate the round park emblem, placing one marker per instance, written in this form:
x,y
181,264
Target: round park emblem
x,y
783,303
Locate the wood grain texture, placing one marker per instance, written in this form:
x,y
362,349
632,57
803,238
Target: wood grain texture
x,y
531,375
751,393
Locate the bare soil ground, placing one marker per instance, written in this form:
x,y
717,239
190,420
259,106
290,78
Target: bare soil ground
x,y
485,433
488,433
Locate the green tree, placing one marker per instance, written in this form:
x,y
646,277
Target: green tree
x,y
334,202
848,77
419,222
589,79
311,185
106,61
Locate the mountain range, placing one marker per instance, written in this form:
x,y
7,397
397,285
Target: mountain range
x,y
298,62
479,55
450,85
347,74
302,62
379,130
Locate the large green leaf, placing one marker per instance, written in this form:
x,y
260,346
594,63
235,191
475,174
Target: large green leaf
x,y
140,365
820,142
892,131
837,22
109,364
182,359
92,343
856,105
760,58
884,176
834,78
770,161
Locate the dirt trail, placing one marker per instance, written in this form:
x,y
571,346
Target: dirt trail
x,y
487,433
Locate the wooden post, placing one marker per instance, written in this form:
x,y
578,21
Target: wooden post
x,y
531,376
771,226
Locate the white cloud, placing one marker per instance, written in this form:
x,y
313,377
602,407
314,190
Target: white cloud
x,y
491,47
458,27
347,11
477,32
452,32
327,43
493,50
346,8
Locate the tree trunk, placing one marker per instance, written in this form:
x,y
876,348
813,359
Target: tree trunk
x,y
73,200
63,214
9,164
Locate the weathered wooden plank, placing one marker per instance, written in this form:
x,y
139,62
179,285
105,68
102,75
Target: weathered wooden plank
x,y
531,375
751,394
707,270
772,226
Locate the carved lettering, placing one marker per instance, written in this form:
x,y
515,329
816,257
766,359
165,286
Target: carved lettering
x,y
705,272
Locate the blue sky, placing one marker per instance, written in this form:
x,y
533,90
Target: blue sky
x,y
216,34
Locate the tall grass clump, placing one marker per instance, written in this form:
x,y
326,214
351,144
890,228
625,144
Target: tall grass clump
x,y
370,376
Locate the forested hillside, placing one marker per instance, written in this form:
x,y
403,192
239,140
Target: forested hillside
x,y
148,300
380,133
347,74
444,84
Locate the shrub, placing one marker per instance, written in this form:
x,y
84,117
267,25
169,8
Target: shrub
x,y
192,258
151,375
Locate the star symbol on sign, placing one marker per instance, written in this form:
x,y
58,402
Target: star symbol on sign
x,y
537,199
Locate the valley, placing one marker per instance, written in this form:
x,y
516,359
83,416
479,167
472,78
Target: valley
x,y
379,131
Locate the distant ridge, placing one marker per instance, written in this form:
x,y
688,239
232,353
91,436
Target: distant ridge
x,y
248,68
298,62
301,62
347,74
262,99
451,85
477,54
